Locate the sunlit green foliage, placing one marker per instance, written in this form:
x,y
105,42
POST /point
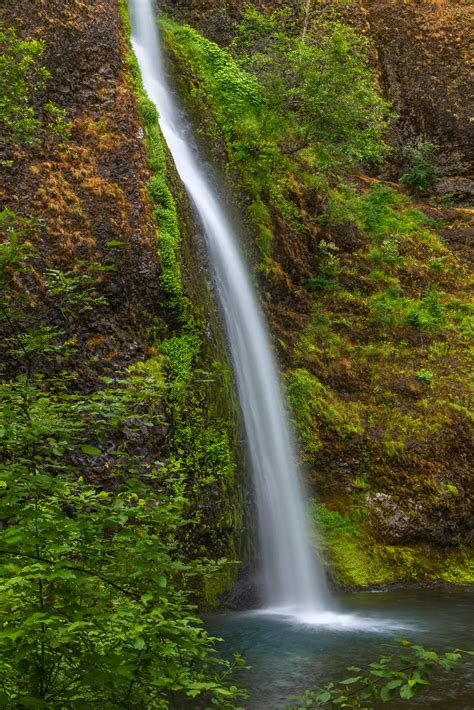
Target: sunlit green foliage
x,y
22,77
285,105
329,268
237,102
424,376
380,211
404,672
95,582
320,81
392,310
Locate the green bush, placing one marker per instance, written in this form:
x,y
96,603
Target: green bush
x,y
425,376
94,578
384,212
402,673
22,78
93,611
284,105
329,268
422,173
321,81
148,112
389,308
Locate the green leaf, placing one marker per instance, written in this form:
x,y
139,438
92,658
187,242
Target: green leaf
x,y
388,690
406,693
418,681
324,697
451,656
351,681
90,450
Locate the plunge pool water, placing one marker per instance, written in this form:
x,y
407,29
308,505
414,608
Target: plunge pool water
x,y
288,658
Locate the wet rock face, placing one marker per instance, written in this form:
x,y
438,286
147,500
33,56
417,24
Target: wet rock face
x,y
444,519
90,193
247,592
424,54
215,18
458,186
78,37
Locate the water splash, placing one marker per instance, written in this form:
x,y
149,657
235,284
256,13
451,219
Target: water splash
x,y
292,578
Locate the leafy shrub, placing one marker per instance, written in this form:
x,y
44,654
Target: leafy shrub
x,y
426,314
437,263
384,213
422,173
274,96
390,309
405,673
425,376
264,241
258,211
148,112
390,251
21,79
94,579
76,292
320,81
91,608
329,268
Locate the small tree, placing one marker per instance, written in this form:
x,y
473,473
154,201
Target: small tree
x,y
321,81
22,78
422,172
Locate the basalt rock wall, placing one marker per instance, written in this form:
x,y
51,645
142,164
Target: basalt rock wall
x,y
89,201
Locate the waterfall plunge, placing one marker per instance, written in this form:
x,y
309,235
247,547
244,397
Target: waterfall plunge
x,y
293,581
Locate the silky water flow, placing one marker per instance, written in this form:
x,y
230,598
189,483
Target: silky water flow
x,y
294,582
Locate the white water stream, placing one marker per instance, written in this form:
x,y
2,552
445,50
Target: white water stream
x,y
293,581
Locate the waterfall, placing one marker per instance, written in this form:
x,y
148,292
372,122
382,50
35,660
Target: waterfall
x,y
293,580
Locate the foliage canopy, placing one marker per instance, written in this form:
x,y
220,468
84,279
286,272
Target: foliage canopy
x,y
94,582
321,81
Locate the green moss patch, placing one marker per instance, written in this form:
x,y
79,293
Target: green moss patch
x,y
357,559
165,214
